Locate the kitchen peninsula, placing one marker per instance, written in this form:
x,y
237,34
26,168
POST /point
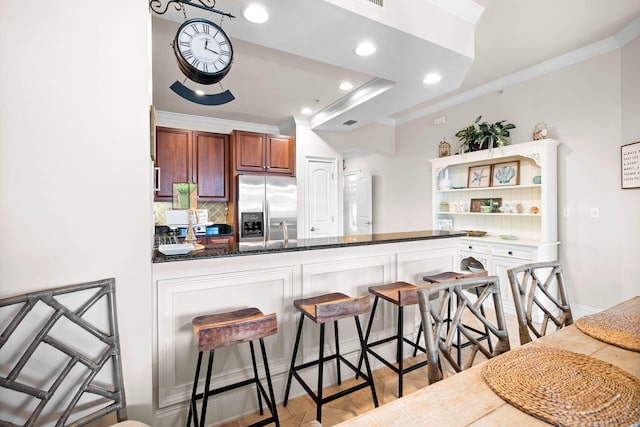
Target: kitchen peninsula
x,y
225,277
224,250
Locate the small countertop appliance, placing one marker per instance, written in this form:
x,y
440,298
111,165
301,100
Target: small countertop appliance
x,y
179,218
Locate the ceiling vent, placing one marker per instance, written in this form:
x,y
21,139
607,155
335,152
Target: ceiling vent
x,y
377,2
350,122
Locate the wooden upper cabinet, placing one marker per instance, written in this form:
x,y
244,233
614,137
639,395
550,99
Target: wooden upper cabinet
x,y
249,151
192,156
258,152
173,160
210,166
279,154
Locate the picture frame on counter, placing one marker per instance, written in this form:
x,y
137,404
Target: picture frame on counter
x,y
479,176
445,224
505,174
490,205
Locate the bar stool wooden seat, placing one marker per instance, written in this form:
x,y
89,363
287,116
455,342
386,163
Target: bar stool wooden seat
x,y
322,309
401,294
450,276
224,330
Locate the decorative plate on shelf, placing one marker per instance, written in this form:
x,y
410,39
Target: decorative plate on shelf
x,y
475,233
508,237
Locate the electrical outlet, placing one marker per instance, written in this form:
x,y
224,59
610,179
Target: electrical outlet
x,y
595,212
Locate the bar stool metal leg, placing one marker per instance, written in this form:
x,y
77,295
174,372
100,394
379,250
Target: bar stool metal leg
x,y
192,405
368,333
363,345
205,396
255,374
320,372
399,352
415,347
272,404
293,360
335,330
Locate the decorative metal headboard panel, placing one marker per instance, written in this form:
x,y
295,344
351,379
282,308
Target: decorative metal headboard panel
x,y
60,356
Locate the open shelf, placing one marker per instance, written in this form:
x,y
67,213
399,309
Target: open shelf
x,y
537,162
510,187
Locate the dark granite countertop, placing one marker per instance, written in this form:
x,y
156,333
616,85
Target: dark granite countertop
x,y
241,249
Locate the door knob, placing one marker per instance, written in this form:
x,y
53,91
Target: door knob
x,y
313,229
368,223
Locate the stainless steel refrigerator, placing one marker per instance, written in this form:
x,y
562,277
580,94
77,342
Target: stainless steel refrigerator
x,y
267,211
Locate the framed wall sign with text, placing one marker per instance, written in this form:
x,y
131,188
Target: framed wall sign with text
x,y
630,172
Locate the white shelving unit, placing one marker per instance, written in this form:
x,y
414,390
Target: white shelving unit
x,y
536,233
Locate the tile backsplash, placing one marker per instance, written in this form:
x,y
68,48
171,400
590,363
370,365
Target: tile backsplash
x,y
217,211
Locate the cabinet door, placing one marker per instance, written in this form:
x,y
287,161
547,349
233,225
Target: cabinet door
x,y
210,166
173,158
280,154
500,265
249,151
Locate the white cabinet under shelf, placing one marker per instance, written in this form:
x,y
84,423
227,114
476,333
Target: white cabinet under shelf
x,y
536,233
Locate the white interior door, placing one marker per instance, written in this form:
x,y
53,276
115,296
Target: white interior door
x,y
364,202
358,215
321,198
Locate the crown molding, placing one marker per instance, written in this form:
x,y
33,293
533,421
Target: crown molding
x,y
211,123
624,36
629,32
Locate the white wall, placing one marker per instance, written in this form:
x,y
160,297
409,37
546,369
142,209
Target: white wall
x,y
75,171
310,144
630,199
583,105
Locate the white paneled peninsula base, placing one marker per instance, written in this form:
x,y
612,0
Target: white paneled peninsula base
x,y
271,281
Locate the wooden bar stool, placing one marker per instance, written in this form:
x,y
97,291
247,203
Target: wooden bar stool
x,y
449,276
323,309
400,294
224,330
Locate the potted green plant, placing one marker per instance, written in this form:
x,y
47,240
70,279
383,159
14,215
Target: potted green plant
x,y
185,195
480,136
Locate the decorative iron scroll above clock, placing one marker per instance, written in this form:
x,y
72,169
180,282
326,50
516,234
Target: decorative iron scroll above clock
x,y
203,51
158,7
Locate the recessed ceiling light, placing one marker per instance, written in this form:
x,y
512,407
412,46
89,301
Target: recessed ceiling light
x,y
365,49
345,86
199,92
432,78
256,14
306,111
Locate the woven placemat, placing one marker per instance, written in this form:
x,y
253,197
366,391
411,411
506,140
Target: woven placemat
x,y
619,329
565,388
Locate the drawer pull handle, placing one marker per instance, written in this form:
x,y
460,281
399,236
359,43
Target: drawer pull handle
x,y
470,247
510,252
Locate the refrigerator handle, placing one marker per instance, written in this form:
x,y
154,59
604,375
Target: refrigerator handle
x,y
267,226
285,231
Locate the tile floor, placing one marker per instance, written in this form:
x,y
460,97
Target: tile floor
x,y
301,411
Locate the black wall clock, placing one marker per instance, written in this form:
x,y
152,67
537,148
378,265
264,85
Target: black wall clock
x,y
203,51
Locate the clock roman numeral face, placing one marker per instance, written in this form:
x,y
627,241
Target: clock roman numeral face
x,y
204,46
